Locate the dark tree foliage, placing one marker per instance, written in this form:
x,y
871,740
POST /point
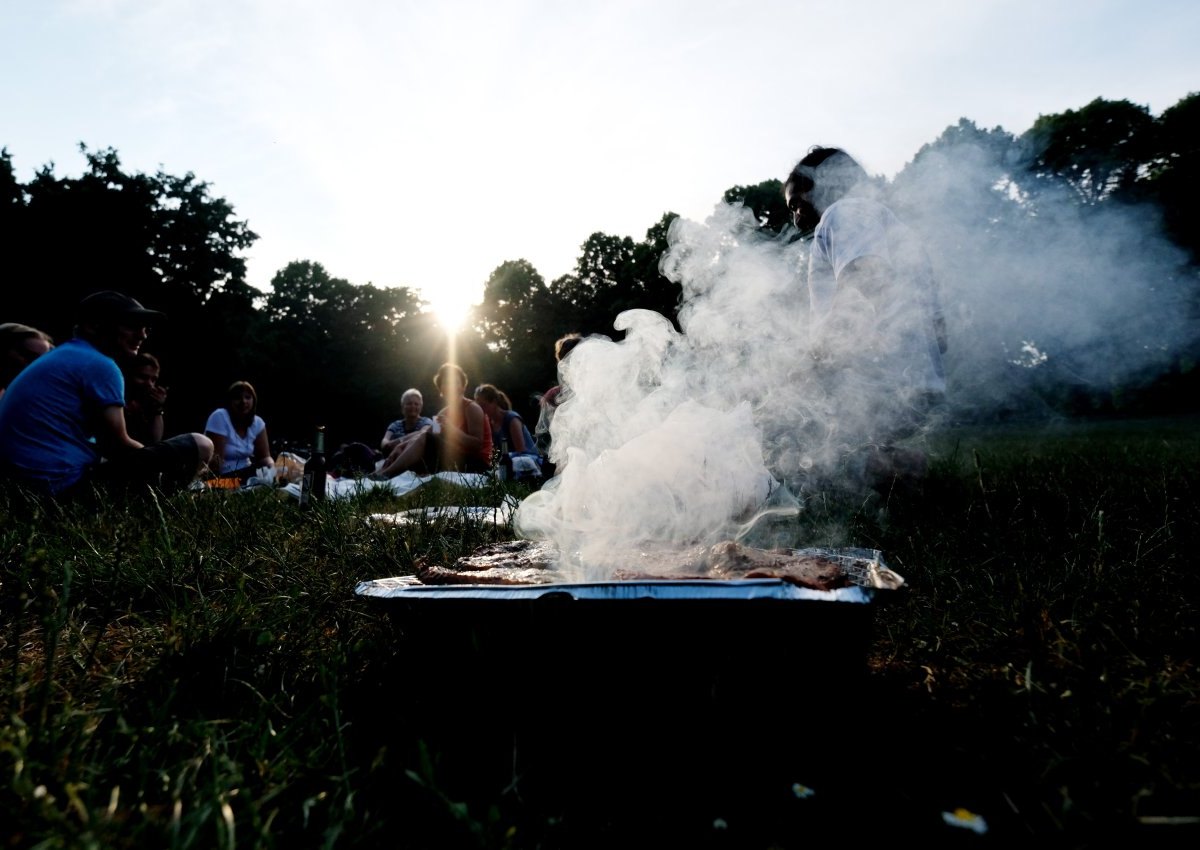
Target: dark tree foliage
x,y
341,355
164,240
1100,151
984,204
614,274
1175,183
517,323
766,199
520,317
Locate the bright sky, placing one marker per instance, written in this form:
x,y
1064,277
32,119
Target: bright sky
x,y
424,143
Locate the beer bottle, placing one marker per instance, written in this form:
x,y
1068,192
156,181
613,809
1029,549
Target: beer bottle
x,y
312,488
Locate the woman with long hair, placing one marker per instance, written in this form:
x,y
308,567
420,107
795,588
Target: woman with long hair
x,y
508,428
238,433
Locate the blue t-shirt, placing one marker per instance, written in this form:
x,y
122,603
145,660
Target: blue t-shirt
x,y
500,436
399,429
50,414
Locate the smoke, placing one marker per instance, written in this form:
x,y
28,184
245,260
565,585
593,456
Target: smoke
x,y
1043,293
676,439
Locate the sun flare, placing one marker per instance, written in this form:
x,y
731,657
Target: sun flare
x,y
451,309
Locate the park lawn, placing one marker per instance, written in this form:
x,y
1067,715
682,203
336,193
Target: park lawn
x,y
197,671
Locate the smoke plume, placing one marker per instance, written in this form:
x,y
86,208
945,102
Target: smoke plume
x,y
674,439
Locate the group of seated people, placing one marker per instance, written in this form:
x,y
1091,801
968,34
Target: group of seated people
x,y
91,410
463,436
62,414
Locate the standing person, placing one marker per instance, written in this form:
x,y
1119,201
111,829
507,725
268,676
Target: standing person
x,y
400,434
145,399
65,411
238,433
878,327
20,345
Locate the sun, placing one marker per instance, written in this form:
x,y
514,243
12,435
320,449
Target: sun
x,y
451,309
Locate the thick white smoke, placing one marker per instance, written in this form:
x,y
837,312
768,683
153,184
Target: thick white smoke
x,y
675,439
1041,290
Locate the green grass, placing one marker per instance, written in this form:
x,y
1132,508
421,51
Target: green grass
x,y
197,672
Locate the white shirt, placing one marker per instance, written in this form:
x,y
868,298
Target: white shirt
x,y
898,323
239,450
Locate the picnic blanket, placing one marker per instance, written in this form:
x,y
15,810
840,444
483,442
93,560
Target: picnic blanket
x,y
483,514
405,482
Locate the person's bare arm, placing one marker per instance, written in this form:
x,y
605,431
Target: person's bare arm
x,y
516,436
470,438
389,442
113,437
157,427
158,400
262,450
476,421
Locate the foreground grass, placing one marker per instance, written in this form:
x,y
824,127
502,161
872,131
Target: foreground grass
x,y
196,672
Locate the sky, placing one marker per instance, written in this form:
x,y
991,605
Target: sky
x,y
422,144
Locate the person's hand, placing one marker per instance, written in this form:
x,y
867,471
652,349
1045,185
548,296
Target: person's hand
x,y
158,398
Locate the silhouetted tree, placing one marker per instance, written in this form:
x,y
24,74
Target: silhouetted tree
x,y
1176,180
613,274
340,355
1100,150
766,199
517,320
165,240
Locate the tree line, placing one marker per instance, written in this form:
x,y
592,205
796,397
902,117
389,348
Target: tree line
x,y
323,350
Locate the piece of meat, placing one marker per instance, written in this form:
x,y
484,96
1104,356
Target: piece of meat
x,y
534,562
492,575
511,562
730,561
513,554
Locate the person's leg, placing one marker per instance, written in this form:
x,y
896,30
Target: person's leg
x,y
403,458
169,465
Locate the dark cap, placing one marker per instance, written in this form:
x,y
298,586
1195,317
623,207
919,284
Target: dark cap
x,y
110,306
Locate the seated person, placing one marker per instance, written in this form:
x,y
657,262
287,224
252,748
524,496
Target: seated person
x,y
508,428
144,399
238,434
65,411
20,345
459,439
402,432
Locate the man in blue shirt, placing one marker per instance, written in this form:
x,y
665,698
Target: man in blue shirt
x,y
66,410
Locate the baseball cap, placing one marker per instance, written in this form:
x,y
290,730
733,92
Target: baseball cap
x,y
113,306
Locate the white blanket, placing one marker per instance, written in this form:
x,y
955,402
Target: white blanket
x,y
405,482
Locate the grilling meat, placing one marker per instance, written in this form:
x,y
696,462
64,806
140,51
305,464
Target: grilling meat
x,y
514,562
491,575
729,561
534,562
